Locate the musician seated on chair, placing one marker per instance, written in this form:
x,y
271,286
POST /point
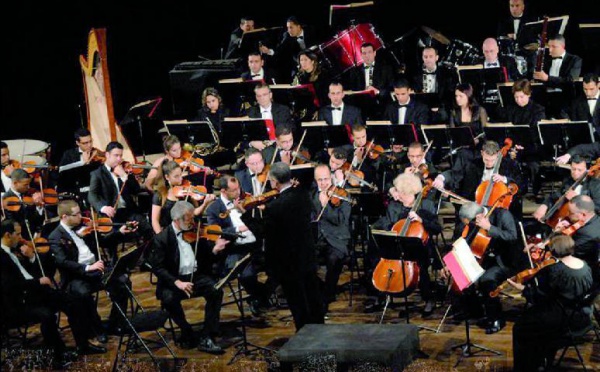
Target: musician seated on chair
x,y
434,77
257,69
589,186
30,296
467,174
338,112
235,40
112,192
333,231
223,213
337,159
77,252
283,148
554,312
406,110
585,107
175,263
7,167
32,213
405,193
373,74
255,164
502,259
493,60
273,113
358,154
419,165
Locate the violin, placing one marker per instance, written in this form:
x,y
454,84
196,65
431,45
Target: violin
x,y
193,164
488,192
539,252
29,166
524,275
40,244
14,204
337,195
560,209
98,156
255,201
195,192
355,177
302,157
214,232
136,169
50,197
103,225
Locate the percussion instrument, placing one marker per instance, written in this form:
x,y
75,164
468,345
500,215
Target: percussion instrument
x,y
506,46
436,35
22,147
461,53
343,51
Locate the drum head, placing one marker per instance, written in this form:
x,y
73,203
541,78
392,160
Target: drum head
x,y
19,147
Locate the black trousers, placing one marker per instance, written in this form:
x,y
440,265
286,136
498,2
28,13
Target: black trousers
x,y
302,291
334,263
203,287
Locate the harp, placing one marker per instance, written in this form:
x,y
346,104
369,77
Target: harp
x,y
98,95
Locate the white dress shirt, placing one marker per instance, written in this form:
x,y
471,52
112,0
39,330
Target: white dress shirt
x,y
402,113
368,71
6,181
187,260
336,115
592,104
85,255
121,203
236,219
266,112
555,71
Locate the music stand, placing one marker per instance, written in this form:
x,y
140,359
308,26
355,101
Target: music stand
x,y
564,134
139,117
520,134
392,246
252,40
448,138
538,93
321,136
349,14
393,134
244,129
481,79
298,98
365,100
431,100
369,205
304,173
75,178
192,132
243,346
239,93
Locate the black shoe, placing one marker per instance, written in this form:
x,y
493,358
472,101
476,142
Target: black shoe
x,y
90,349
207,345
428,309
187,341
495,326
102,338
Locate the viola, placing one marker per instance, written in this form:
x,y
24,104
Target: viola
x,y
195,192
103,225
524,275
488,192
214,232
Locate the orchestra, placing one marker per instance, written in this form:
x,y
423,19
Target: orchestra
x,y
263,217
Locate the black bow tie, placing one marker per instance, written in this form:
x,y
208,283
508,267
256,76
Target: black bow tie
x,y
254,75
428,73
592,99
179,233
300,37
368,67
401,106
516,18
494,64
336,108
553,58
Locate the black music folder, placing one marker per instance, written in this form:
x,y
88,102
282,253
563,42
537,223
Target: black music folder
x,y
140,127
395,247
322,136
252,40
192,132
431,100
239,94
242,129
446,137
538,94
519,134
388,134
482,79
565,134
301,99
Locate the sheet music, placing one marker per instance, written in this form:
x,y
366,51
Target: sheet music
x,y
462,264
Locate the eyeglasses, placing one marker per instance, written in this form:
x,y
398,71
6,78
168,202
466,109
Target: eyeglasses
x,y
75,214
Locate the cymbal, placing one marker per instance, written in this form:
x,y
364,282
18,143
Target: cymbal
x,y
436,35
531,46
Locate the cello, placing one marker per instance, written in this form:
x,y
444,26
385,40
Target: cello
x,y
488,192
560,209
407,272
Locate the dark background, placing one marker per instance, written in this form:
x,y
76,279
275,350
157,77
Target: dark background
x,y
42,93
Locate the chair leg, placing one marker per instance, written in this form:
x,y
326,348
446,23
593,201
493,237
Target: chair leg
x,y
580,357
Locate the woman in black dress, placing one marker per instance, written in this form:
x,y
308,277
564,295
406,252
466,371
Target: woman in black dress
x,y
561,285
170,175
466,111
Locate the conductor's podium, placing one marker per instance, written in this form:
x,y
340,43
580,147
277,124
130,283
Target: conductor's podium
x,y
392,346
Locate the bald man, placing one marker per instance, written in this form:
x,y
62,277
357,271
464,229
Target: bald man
x,y
493,60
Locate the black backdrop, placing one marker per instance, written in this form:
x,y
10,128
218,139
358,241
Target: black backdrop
x,y
42,93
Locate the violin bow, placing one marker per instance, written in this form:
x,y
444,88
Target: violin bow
x,y
298,147
96,233
37,257
42,191
528,251
195,253
264,184
119,194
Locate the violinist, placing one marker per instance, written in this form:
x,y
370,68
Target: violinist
x,y
248,178
175,263
170,175
466,175
112,192
289,246
338,112
172,151
30,208
83,154
590,186
502,259
560,286
283,147
417,164
358,153
333,231
7,167
405,190
79,261
337,160
29,296
223,213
